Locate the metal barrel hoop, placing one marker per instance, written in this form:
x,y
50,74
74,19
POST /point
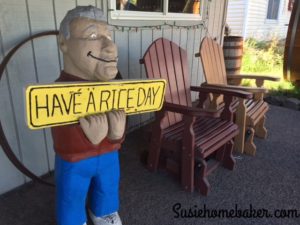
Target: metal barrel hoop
x,y
3,140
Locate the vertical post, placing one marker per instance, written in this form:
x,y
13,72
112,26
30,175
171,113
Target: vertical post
x,y
239,140
188,154
293,39
155,145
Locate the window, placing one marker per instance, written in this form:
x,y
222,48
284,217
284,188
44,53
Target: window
x,y
156,9
273,9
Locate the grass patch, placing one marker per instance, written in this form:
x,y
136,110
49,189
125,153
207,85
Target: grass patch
x,y
266,58
262,57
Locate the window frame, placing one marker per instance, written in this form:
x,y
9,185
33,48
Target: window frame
x,y
115,14
277,13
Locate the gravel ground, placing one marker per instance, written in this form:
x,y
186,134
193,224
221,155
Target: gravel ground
x,y
269,181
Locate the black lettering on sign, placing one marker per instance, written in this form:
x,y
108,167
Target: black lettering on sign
x,y
129,98
91,101
114,97
140,99
121,90
56,105
148,97
154,93
102,98
37,107
67,108
75,102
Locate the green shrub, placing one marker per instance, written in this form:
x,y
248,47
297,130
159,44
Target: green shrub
x,y
266,58
286,88
262,57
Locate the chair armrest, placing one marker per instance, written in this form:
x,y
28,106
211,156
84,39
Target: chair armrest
x,y
255,77
222,90
241,88
191,111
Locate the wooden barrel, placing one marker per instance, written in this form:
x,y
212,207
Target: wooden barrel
x,y
291,65
233,54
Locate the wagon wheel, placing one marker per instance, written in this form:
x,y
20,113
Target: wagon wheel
x,y
3,140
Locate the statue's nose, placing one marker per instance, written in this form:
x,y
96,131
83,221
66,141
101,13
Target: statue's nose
x,y
109,47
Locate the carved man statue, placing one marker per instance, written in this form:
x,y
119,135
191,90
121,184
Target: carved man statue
x,y
87,163
126,5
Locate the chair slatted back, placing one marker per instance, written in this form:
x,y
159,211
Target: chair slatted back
x,y
212,58
164,59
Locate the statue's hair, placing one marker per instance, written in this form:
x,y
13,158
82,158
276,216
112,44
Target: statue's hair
x,y
89,12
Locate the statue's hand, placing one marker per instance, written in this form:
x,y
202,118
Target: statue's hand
x,y
116,122
95,127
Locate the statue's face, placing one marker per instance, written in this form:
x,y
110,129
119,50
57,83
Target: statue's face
x,y
123,2
90,50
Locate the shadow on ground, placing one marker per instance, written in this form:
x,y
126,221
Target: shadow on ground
x,y
270,180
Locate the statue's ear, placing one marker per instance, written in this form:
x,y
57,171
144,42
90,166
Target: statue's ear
x,y
62,43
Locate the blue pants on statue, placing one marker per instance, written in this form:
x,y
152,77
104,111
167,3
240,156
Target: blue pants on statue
x,y
95,179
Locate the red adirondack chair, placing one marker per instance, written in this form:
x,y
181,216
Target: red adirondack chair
x,y
184,137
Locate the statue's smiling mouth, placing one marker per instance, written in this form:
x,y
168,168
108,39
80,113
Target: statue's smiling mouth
x,y
100,59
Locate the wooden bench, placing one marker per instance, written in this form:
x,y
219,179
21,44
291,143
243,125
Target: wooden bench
x,y
250,115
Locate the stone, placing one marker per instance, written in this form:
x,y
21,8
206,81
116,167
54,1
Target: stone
x,y
275,100
292,103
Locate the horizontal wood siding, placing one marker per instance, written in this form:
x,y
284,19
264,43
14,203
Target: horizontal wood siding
x,y
253,23
40,61
236,16
259,27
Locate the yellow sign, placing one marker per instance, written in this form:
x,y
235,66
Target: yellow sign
x,y
64,103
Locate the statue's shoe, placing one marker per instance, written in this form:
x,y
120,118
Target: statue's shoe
x,y
111,219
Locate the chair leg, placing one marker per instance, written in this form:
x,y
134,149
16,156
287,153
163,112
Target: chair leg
x,y
260,129
220,154
203,185
154,151
250,148
239,140
188,155
156,139
229,161
188,168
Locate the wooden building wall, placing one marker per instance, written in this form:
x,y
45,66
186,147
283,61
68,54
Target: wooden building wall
x,y
248,18
40,61
257,24
236,16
